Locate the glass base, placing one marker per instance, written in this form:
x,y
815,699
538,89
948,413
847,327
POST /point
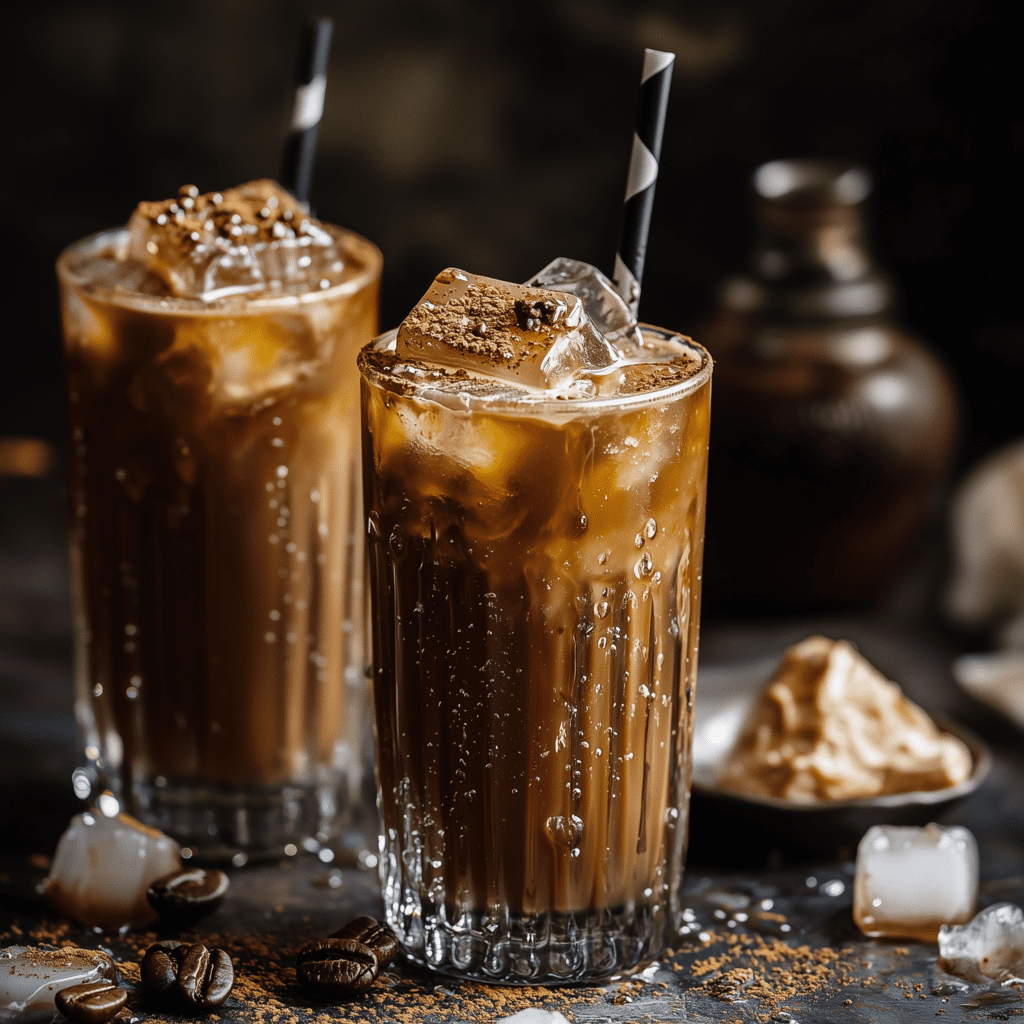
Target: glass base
x,y
541,949
240,824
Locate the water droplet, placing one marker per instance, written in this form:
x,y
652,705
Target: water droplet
x,y
638,541
601,609
565,831
602,642
644,566
97,690
282,471
651,529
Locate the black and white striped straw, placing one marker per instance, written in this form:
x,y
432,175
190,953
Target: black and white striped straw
x,y
310,86
643,174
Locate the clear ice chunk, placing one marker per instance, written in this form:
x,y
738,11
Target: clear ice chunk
x,y
30,978
911,881
605,307
990,946
103,867
534,337
249,239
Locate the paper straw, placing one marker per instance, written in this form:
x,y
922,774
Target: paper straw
x,y
655,82
310,86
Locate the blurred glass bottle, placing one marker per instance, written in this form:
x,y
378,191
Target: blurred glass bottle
x,y
832,429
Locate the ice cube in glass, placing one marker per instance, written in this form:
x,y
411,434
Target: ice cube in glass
x,y
531,336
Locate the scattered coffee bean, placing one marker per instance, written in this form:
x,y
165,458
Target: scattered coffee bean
x,y
93,1003
370,932
160,966
337,967
205,976
184,897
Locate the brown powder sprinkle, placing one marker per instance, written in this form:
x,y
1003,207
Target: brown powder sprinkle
x,y
767,970
487,322
258,211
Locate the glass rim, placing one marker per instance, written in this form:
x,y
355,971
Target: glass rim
x,y
235,305
559,407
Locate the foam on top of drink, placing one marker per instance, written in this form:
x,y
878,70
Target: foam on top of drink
x,y
482,337
254,240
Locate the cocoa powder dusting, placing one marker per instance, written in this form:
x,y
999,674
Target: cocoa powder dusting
x,y
258,211
765,969
486,322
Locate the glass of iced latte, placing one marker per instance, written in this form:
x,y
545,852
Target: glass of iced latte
x,y
217,541
534,475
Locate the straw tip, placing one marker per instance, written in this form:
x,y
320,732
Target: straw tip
x,y
655,61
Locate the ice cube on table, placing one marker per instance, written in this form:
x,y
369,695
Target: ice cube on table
x,y
532,336
911,881
605,307
990,946
30,978
534,1015
103,867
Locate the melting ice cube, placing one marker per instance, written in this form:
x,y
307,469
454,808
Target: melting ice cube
x,y
533,336
247,239
607,309
534,1015
911,881
103,867
989,946
29,978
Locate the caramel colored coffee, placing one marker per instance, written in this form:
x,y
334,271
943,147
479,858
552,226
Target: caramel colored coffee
x,y
535,571
216,536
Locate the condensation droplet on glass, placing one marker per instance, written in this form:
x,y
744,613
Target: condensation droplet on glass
x,y
270,637
644,566
97,690
282,471
638,541
601,609
602,642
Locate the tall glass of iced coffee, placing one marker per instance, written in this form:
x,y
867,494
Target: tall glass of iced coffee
x,y
217,541
534,474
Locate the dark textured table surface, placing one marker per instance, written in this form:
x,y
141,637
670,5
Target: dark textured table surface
x,y
771,936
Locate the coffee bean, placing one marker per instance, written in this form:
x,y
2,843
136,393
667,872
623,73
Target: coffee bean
x,y
370,932
93,1003
160,966
337,967
185,896
205,976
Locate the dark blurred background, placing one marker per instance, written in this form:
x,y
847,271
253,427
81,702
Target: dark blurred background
x,y
495,136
